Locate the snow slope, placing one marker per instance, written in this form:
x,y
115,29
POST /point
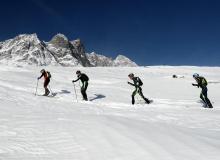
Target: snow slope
x,y
174,127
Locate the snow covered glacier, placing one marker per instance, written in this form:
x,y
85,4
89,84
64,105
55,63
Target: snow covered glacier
x,y
174,127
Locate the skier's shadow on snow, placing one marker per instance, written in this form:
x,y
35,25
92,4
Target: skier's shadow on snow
x,y
64,92
98,96
214,82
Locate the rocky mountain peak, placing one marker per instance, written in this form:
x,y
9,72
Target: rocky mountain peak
x,y
77,42
60,40
28,49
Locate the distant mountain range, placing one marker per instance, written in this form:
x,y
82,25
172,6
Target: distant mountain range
x,y
28,49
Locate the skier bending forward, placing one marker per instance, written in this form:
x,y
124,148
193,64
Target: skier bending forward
x,y
84,79
202,83
137,84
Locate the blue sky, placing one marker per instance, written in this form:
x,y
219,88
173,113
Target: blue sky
x,y
170,32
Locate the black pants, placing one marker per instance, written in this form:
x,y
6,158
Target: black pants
x,y
83,90
204,96
139,91
46,82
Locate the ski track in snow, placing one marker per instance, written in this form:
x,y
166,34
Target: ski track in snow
x,y
174,127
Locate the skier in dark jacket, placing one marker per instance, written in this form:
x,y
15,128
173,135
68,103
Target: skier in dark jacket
x,y
137,84
84,79
47,77
202,83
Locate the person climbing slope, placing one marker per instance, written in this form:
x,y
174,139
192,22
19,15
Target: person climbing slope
x,y
202,83
138,90
47,77
84,79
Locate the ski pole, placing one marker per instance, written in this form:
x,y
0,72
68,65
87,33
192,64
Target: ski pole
x,y
75,92
36,87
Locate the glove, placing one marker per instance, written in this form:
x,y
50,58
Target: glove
x,y
194,84
38,78
73,81
130,83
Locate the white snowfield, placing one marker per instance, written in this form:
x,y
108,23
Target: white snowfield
x,y
174,127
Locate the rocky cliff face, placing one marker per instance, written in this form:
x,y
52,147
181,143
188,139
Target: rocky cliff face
x,y
28,49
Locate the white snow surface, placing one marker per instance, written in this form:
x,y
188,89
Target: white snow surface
x,y
174,127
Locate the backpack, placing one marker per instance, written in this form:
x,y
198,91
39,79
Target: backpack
x,y
204,82
139,81
49,75
86,78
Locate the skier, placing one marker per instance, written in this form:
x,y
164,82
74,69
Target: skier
x,y
84,79
137,84
202,83
47,77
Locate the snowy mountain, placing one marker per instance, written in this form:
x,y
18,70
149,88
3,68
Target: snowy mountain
x,y
124,61
174,127
99,60
119,61
25,49
28,49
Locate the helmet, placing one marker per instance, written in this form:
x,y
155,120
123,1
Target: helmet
x,y
42,71
131,75
195,75
78,72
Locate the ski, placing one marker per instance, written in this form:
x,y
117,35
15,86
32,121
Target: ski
x,y
50,96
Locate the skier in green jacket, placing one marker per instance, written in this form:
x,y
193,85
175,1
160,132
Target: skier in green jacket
x,y
137,84
202,83
84,79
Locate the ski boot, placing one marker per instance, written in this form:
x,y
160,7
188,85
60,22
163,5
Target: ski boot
x,y
47,92
147,101
210,106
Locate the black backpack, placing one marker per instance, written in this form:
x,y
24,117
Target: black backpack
x,y
49,75
139,81
86,78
